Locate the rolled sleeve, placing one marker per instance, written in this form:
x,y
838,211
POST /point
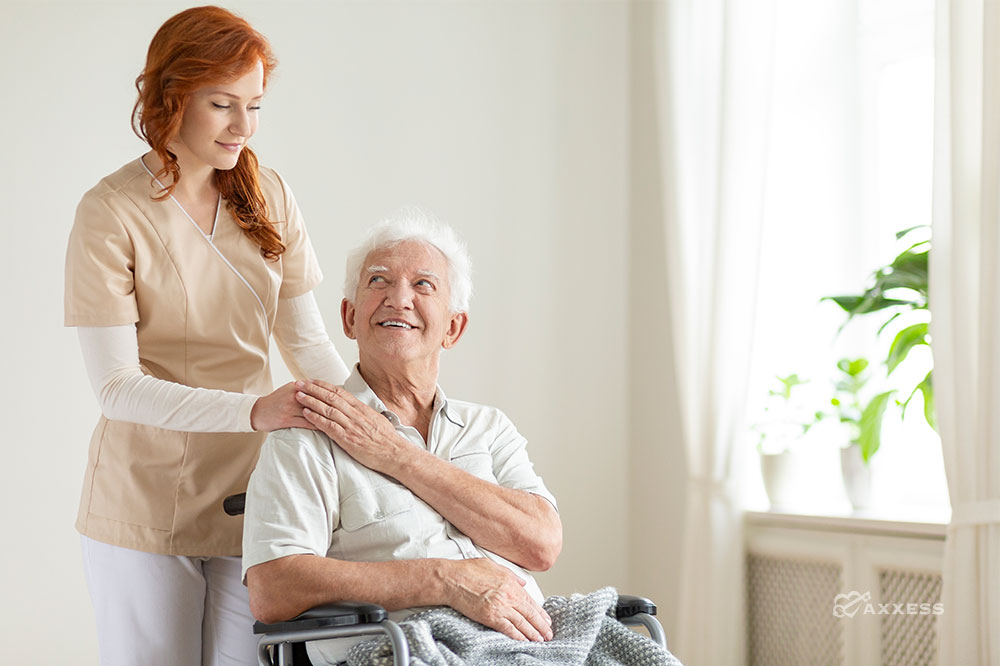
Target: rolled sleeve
x,y
292,504
511,465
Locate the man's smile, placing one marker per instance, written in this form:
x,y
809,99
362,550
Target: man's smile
x,y
396,323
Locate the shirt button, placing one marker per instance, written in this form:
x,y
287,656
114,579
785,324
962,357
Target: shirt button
x,y
379,515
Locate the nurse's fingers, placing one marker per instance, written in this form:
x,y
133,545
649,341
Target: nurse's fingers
x,y
303,422
278,409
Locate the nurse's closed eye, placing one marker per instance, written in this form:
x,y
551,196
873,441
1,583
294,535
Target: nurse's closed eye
x,y
220,106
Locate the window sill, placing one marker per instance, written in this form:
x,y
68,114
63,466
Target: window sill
x,y
925,523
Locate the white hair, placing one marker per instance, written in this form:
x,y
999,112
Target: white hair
x,y
413,224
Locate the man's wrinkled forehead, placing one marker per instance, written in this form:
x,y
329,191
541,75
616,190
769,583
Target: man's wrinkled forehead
x,y
422,272
414,256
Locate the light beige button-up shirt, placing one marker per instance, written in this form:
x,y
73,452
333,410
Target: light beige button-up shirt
x,y
307,495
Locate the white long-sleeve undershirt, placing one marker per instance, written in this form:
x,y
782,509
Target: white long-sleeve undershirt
x,y
125,393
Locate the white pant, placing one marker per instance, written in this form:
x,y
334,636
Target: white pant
x,y
166,610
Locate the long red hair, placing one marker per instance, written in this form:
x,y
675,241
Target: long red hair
x,y
199,47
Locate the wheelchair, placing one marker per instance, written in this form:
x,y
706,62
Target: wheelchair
x,y
283,643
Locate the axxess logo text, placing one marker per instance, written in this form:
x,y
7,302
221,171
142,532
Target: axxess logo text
x,y
850,604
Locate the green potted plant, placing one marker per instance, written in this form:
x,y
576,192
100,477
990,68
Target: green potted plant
x,y
862,417
898,293
785,423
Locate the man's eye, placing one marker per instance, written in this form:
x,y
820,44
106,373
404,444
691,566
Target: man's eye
x,y
425,284
375,278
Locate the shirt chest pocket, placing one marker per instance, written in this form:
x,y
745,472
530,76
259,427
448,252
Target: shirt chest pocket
x,y
476,463
373,506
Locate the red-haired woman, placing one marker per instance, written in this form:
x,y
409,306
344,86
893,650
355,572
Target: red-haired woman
x,y
180,267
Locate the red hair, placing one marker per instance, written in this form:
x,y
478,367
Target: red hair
x,y
199,47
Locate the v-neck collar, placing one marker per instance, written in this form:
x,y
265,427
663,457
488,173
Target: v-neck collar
x,y
218,207
215,248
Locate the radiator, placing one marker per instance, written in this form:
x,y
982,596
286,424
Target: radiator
x,y
909,640
816,595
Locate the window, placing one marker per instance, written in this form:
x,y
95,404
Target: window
x,y
849,164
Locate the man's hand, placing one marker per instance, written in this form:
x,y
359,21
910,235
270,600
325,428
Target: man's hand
x,y
363,433
492,595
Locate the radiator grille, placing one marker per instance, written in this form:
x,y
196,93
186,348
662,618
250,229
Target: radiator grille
x,y
789,616
909,639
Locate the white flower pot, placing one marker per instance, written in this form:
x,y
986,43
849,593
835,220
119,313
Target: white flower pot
x,y
857,477
779,473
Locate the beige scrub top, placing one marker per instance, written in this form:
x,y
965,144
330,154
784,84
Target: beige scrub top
x,y
203,308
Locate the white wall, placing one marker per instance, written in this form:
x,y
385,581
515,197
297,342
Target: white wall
x,y
657,474
509,119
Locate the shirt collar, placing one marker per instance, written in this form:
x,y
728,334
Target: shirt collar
x,y
357,385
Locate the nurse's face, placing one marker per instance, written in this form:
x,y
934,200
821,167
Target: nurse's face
x,y
218,121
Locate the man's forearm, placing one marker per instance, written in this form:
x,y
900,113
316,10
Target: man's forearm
x,y
479,589
515,524
285,587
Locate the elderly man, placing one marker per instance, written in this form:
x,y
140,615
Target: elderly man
x,y
400,496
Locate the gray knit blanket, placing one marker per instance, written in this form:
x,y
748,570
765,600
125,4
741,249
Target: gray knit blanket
x,y
584,629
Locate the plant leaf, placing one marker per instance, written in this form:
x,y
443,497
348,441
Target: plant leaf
x,y
846,303
870,437
887,322
906,403
859,305
908,270
857,366
911,260
900,234
906,340
927,388
787,384
913,264
920,244
852,366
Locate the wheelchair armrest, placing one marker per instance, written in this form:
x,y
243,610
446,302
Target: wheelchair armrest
x,y
343,614
235,505
629,605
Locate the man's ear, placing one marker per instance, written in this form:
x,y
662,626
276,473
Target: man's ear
x,y
456,327
347,318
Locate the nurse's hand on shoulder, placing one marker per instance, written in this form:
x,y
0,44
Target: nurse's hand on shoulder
x,y
278,409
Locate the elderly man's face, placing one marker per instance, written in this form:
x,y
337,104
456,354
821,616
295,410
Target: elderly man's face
x,y
402,306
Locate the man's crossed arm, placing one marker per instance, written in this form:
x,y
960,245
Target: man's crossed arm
x,y
478,588
519,526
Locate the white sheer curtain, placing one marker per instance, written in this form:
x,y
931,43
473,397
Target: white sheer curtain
x,y
965,305
714,90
